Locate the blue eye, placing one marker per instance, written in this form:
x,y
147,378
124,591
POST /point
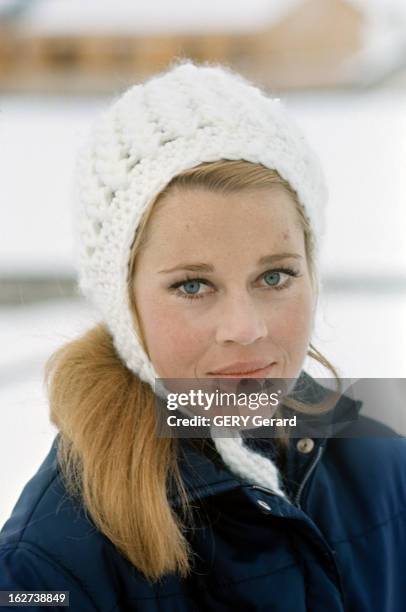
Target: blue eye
x,y
189,288
193,286
275,276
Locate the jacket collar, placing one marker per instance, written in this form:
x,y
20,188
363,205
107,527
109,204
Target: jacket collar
x,y
204,472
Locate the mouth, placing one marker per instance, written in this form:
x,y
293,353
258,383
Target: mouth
x,y
258,373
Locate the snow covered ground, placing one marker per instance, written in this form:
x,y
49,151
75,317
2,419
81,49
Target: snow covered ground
x,y
361,138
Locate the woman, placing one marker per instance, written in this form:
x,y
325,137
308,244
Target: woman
x,y
199,229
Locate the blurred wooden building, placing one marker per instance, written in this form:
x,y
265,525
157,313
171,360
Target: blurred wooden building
x,y
303,44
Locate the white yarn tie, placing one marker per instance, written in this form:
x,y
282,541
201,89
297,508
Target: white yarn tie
x,y
246,463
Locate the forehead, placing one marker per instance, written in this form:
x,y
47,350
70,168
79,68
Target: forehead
x,y
198,214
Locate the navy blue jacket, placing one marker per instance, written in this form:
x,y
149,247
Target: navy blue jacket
x,y
339,545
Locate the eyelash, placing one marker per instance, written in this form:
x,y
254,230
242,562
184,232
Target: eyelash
x,y
175,287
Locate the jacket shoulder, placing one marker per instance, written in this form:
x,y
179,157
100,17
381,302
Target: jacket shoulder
x,y
369,439
49,540
24,567
370,464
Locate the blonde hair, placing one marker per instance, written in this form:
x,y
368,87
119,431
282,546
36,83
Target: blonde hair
x,y
109,455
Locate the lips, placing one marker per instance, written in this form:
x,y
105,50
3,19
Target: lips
x,y
243,368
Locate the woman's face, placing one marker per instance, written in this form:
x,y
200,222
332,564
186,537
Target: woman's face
x,y
223,282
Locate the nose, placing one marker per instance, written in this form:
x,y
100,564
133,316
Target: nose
x,y
241,321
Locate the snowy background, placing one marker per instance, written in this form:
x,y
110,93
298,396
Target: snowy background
x,y
361,139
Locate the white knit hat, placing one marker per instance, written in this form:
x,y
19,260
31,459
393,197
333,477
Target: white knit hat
x,y
175,121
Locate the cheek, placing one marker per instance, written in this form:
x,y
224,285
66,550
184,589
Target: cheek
x,y
173,341
295,322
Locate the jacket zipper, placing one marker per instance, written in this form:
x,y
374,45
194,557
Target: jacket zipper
x,y
296,502
306,477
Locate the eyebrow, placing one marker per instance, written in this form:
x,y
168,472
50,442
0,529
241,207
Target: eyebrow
x,y
204,267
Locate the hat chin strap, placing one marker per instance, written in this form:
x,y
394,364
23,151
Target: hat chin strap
x,y
246,463
241,460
